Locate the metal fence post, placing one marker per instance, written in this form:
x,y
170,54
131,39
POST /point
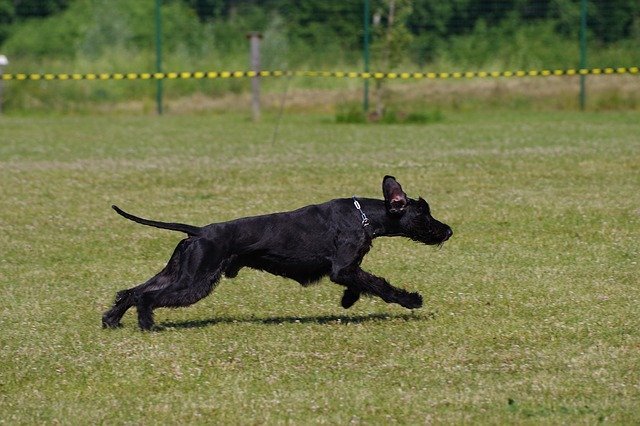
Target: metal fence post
x,y
254,41
583,52
367,13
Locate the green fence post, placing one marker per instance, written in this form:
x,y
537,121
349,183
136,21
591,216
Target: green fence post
x,y
159,56
583,52
366,54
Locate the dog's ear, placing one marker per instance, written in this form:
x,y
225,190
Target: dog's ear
x,y
395,199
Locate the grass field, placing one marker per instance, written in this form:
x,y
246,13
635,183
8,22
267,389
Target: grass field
x,y
531,310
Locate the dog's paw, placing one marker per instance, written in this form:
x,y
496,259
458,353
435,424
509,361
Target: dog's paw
x,y
349,298
110,323
411,301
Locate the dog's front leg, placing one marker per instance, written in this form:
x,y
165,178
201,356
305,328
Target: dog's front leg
x,y
359,281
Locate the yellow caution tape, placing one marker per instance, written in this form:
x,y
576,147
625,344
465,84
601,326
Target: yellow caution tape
x,y
334,74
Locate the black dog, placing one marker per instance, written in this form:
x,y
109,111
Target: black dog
x,y
305,245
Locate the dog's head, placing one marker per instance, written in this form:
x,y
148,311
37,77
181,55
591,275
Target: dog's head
x,y
412,217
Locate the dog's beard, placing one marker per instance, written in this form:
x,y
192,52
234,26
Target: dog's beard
x,y
424,235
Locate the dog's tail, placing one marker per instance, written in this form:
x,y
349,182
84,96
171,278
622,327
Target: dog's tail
x,y
181,227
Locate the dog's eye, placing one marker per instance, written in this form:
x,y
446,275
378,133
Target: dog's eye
x,y
423,206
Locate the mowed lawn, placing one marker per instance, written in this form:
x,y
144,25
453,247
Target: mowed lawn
x,y
532,309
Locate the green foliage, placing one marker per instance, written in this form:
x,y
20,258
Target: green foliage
x,y
338,23
393,116
613,20
91,27
7,13
391,36
438,26
315,23
422,31
18,10
54,37
350,113
34,8
510,45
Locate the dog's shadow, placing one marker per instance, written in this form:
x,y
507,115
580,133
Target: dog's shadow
x,y
321,319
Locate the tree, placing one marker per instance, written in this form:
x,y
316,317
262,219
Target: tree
x,y
38,8
391,40
7,15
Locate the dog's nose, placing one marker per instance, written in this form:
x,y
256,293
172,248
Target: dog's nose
x,y
448,234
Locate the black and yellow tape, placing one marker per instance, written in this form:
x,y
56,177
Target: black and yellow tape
x,y
333,74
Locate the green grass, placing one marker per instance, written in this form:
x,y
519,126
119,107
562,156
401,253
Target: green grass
x,y
531,310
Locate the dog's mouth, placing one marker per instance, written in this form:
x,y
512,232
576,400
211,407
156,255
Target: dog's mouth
x,y
433,241
448,233
430,232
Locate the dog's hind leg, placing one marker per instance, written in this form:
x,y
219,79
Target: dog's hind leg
x,y
125,299
111,318
201,267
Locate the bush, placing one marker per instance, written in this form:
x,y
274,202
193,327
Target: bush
x,y
350,113
90,28
353,113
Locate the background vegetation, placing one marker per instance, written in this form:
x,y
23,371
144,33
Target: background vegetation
x,y
460,35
